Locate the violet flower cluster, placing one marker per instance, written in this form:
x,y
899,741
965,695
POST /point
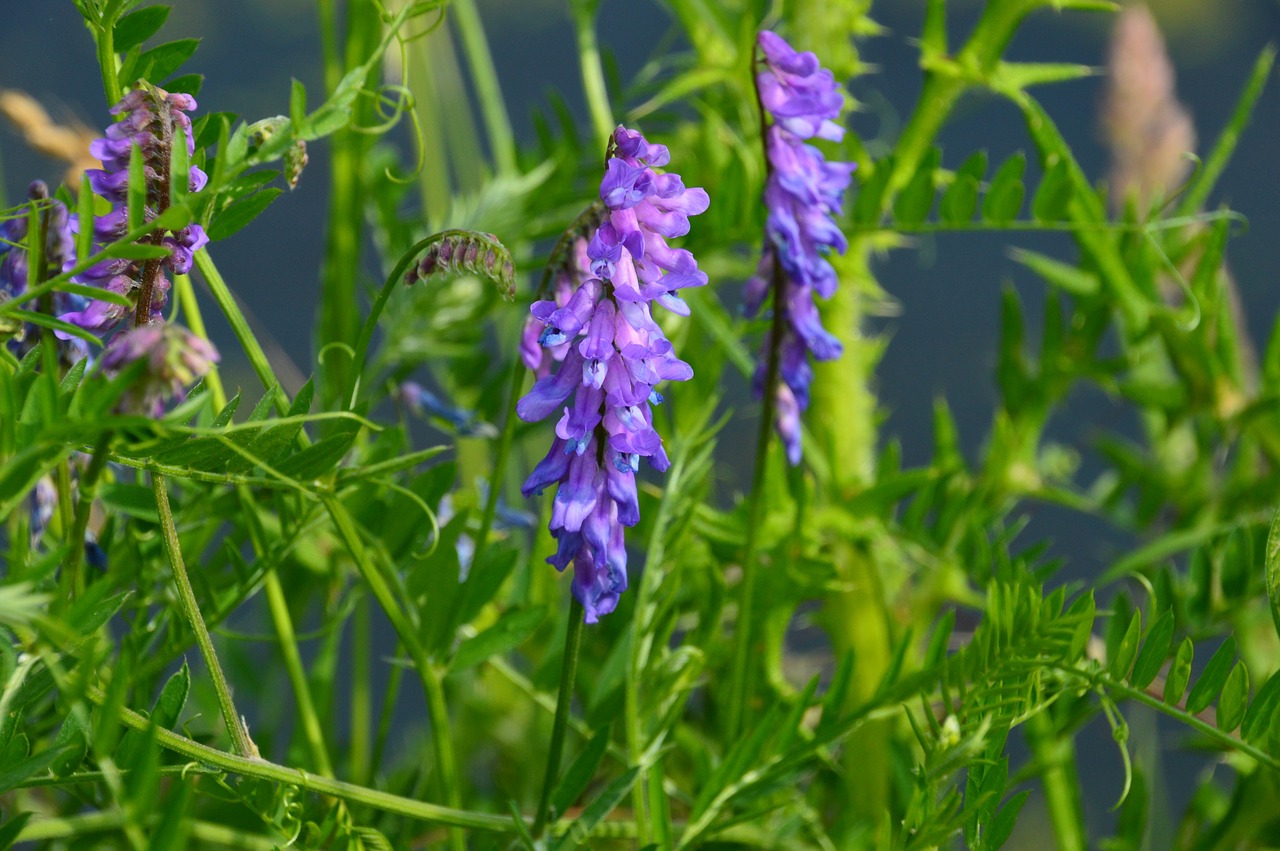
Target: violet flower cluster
x,y
803,193
611,355
152,118
15,271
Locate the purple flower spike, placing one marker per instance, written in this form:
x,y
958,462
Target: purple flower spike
x,y
152,120
611,354
15,271
803,193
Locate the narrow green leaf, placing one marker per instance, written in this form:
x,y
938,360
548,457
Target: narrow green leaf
x,y
240,213
1179,673
84,212
1212,679
1203,183
161,61
187,83
129,500
597,810
1122,661
1004,196
1053,195
959,201
173,697
73,740
916,198
137,189
46,321
179,168
1085,610
510,631
577,777
1257,717
1272,570
939,641
297,103
10,830
1234,698
1013,77
1001,827
136,27
30,767
319,458
1065,276
1155,647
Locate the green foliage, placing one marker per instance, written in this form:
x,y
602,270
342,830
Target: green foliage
x,y
310,521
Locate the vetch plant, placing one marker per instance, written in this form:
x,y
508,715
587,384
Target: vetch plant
x,y
611,372
256,596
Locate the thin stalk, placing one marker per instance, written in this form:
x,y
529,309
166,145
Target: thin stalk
x,y
244,746
105,38
433,686
389,697
1056,759
568,670
741,674
288,642
186,296
485,77
361,692
264,770
88,490
240,327
500,460
43,829
38,263
593,84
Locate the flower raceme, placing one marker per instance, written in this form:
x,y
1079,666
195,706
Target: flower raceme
x,y
151,120
16,271
611,354
802,194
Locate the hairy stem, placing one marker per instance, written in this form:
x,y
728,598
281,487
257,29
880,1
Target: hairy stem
x,y
446,763
568,670
742,673
187,598
1056,759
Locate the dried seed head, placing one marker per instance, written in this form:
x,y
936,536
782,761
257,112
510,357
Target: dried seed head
x,y
1148,130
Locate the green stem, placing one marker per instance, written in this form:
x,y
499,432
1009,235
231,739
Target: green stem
x,y
365,337
488,91
433,686
296,777
568,670
187,598
88,490
500,460
361,692
593,84
44,829
741,674
240,327
107,64
186,296
1055,757
337,319
288,641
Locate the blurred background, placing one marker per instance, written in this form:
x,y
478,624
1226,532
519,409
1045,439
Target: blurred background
x,y
946,289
